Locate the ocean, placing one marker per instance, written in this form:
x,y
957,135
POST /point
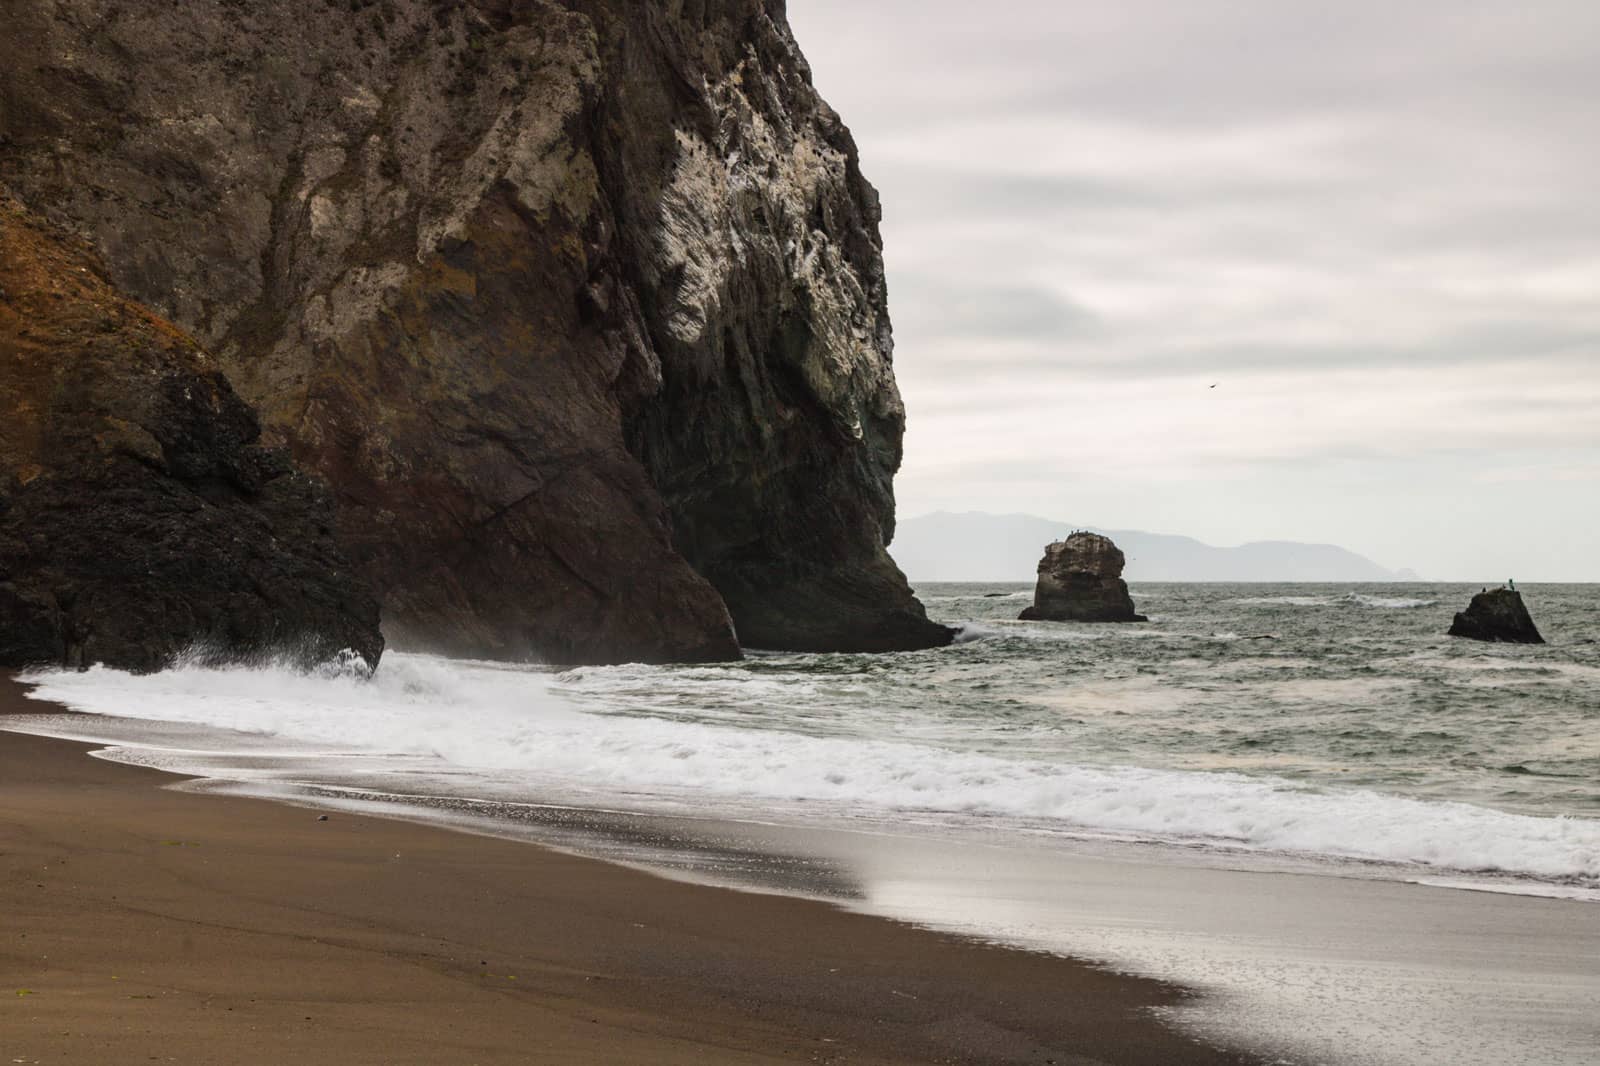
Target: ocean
x,y
1326,729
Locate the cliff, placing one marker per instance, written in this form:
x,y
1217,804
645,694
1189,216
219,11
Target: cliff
x,y
138,515
1080,580
577,306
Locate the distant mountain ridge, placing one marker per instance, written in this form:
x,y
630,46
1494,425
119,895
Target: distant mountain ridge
x,y
976,546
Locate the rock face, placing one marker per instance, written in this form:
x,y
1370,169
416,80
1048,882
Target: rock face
x,y
138,515
1497,615
578,306
1080,580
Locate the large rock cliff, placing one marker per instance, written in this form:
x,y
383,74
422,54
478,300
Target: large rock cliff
x,y
578,306
139,518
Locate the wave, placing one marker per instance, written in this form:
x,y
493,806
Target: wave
x,y
1047,632
968,597
491,717
1392,603
1349,599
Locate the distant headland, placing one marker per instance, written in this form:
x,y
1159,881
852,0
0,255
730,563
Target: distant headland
x,y
975,546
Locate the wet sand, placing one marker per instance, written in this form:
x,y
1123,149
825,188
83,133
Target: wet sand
x,y
1305,961
144,924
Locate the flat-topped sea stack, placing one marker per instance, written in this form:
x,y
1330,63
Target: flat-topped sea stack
x,y
1080,580
1497,615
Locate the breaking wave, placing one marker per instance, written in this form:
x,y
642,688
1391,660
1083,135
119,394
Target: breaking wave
x,y
543,729
1349,599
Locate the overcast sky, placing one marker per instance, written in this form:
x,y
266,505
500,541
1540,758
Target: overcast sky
x,y
1374,227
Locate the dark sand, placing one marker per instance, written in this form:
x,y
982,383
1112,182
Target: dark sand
x,y
143,924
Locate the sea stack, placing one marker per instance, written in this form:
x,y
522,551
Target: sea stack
x,y
1497,615
1080,580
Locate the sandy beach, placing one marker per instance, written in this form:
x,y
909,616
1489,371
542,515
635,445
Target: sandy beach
x,y
150,925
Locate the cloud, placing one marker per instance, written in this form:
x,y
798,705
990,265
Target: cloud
x,y
993,311
1053,338
1374,224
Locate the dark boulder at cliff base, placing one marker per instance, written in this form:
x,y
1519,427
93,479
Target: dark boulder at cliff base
x,y
1080,580
577,305
138,516
1497,615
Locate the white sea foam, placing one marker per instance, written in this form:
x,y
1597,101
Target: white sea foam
x,y
1392,603
1348,599
1286,601
507,719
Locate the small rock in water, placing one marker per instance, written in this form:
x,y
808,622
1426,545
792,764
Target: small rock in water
x,y
1080,580
1497,615
322,817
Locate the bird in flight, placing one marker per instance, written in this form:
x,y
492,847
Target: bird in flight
x,y
1213,386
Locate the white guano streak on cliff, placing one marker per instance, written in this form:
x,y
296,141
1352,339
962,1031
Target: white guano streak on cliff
x,y
525,145
751,194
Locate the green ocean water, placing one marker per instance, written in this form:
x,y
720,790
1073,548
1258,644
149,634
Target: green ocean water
x,y
1339,685
1334,722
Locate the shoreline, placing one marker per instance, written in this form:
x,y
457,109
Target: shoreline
x,y
147,922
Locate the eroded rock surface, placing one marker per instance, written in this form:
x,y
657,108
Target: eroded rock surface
x,y
139,517
578,306
1497,615
1080,580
